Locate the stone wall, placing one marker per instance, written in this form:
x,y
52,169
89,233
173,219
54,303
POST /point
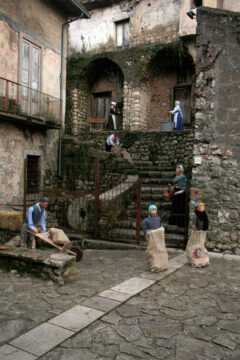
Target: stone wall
x,y
149,74
167,149
217,126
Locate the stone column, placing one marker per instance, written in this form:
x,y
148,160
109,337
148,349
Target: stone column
x,y
217,127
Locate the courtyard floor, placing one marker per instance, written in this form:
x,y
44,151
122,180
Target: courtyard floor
x,y
116,309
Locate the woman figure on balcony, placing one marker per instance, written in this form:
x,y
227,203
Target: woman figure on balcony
x,y
178,197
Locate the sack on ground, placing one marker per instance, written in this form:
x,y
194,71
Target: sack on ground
x,y
196,252
58,236
156,252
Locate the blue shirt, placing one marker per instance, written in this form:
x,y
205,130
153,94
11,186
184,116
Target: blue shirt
x,y
42,220
151,223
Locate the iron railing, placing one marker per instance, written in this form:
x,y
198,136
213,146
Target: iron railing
x,y
27,102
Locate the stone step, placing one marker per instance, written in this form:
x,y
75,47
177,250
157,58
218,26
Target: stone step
x,y
162,205
168,175
151,180
155,197
131,224
131,233
149,164
129,236
153,188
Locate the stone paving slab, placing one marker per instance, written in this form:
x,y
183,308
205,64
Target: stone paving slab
x,y
190,314
76,318
101,303
115,295
8,352
41,339
153,276
133,286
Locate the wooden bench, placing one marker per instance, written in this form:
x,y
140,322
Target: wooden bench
x,y
96,121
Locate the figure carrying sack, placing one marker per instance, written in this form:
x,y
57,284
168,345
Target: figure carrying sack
x,y
196,252
156,253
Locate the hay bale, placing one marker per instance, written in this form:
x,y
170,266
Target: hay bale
x,y
11,220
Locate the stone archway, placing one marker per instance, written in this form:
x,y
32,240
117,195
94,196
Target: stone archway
x,y
170,73
105,83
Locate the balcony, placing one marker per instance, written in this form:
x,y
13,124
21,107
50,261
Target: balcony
x,y
20,103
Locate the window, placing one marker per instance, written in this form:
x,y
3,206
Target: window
x,y
30,68
33,174
122,33
196,3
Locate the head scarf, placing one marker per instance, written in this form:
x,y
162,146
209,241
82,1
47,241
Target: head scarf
x,y
152,207
198,204
181,168
177,102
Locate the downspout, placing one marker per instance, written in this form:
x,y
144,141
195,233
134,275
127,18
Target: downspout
x,y
61,88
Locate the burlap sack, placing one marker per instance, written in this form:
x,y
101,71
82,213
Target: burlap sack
x,y
156,253
116,149
127,156
196,252
58,236
121,152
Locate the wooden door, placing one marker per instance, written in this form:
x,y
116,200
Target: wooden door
x,y
101,105
183,94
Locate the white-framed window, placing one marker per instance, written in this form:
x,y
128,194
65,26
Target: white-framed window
x,y
30,67
122,33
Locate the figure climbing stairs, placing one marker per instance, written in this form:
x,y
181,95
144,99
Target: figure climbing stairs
x,y
154,180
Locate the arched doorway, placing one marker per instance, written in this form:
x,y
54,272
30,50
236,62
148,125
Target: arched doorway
x,y
105,82
170,71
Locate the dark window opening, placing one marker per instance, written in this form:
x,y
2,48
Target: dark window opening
x,y
33,174
196,3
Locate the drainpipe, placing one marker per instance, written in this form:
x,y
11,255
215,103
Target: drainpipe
x,y
87,15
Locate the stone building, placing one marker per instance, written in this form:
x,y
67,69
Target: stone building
x,y
144,54
31,91
140,54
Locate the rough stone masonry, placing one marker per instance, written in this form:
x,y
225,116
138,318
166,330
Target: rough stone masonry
x,y
217,126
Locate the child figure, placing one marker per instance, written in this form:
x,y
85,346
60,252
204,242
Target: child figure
x,y
201,216
196,252
153,221
156,252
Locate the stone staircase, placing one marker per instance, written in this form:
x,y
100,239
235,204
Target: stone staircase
x,y
154,181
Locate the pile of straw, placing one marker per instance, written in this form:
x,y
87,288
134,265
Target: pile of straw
x,y
11,220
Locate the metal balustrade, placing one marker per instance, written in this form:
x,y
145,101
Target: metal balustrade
x,y
26,102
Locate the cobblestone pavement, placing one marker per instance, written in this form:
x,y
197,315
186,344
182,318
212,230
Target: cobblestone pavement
x,y
190,315
26,302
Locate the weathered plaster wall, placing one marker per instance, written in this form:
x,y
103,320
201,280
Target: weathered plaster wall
x,y
217,126
40,24
16,143
39,18
150,21
9,47
187,26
